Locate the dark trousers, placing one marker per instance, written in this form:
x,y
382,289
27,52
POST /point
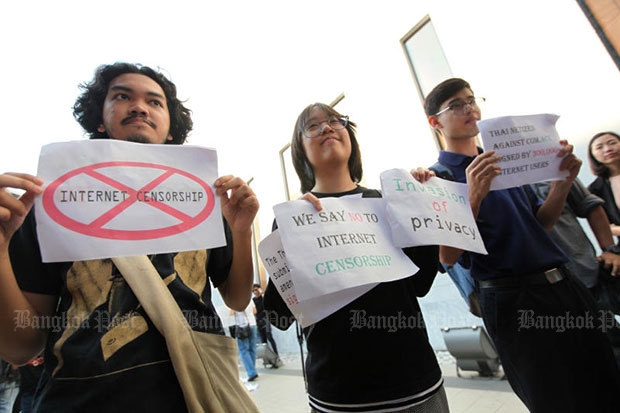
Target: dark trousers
x,y
264,331
552,345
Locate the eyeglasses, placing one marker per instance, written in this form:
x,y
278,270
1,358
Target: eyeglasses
x,y
314,129
460,108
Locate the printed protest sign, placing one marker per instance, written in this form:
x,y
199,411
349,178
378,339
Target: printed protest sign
x,y
528,146
107,198
434,212
306,312
347,244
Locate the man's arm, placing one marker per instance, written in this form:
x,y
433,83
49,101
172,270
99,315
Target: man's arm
x,y
17,308
599,223
449,255
479,175
615,229
551,209
21,338
239,206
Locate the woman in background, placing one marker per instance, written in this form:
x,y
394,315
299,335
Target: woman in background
x,y
604,158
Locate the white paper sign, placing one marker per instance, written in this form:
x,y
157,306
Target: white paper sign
x,y
434,212
306,312
347,244
528,146
107,198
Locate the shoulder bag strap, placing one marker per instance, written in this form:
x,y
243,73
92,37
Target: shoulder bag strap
x,y
188,359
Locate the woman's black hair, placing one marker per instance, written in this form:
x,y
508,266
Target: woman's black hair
x,y
300,160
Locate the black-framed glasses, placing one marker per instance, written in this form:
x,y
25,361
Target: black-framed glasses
x,y
314,129
460,107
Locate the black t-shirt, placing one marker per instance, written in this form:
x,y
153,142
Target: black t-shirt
x,y
376,348
260,308
103,352
29,375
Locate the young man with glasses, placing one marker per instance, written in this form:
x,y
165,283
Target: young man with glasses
x,y
544,324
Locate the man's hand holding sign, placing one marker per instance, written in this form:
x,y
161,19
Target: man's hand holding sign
x,y
526,147
523,150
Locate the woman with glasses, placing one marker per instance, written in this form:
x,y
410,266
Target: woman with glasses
x,y
361,369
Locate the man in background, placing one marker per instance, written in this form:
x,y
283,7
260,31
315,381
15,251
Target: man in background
x,y
262,321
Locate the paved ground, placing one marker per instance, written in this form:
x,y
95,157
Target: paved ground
x,y
283,390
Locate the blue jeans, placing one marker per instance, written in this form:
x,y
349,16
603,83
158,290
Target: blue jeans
x,y
8,393
27,403
247,353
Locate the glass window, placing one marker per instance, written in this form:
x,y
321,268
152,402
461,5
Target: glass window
x,y
427,60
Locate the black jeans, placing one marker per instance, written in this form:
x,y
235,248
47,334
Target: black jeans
x,y
552,346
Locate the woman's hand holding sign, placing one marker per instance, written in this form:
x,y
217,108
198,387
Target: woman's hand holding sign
x,y
310,197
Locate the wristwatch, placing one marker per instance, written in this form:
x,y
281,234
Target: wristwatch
x,y
612,248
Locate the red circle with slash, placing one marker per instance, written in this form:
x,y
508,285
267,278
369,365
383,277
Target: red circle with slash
x,y
95,228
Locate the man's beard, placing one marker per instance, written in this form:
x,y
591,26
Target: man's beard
x,y
137,139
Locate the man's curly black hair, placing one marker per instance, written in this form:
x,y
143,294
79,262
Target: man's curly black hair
x,y
88,108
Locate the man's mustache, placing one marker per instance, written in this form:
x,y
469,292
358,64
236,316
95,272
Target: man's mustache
x,y
130,118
